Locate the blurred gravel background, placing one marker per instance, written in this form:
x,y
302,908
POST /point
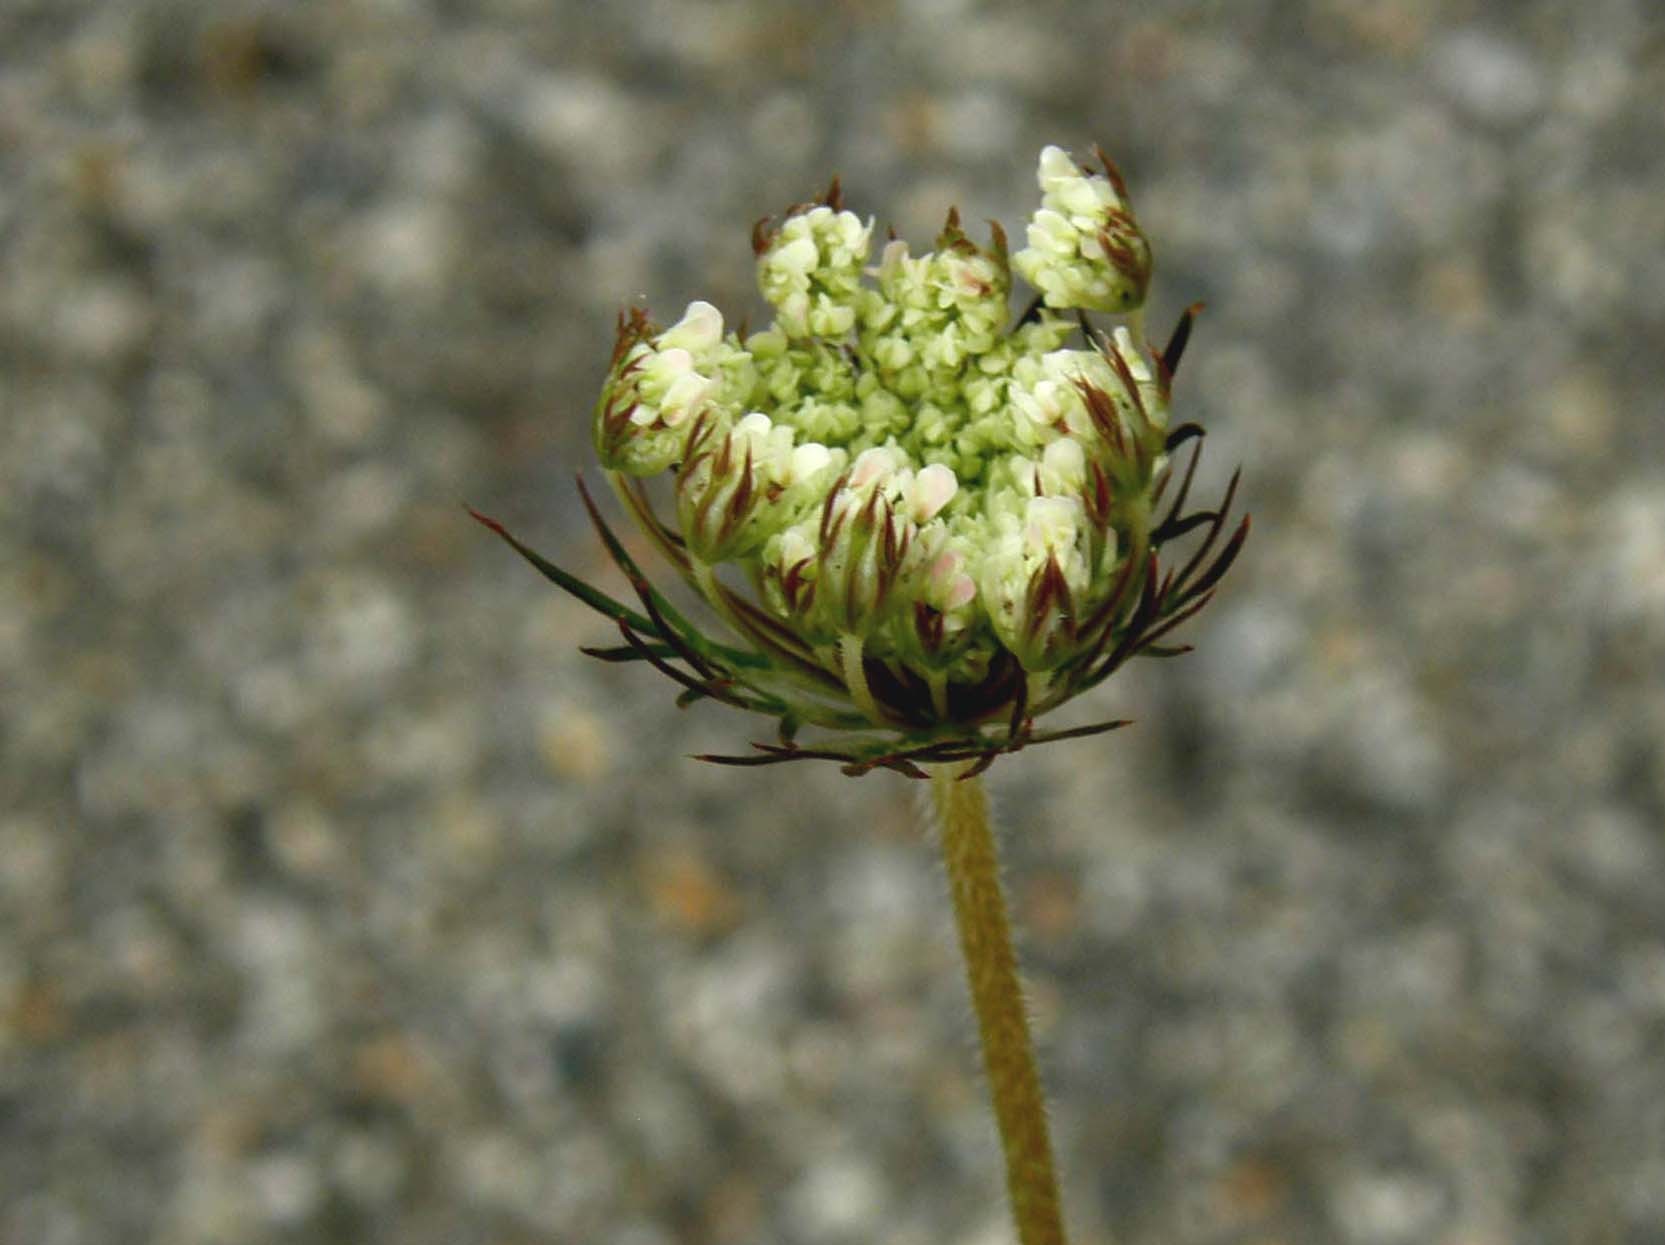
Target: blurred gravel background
x,y
342,901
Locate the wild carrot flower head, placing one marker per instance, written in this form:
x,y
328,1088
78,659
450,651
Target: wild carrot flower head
x,y
920,522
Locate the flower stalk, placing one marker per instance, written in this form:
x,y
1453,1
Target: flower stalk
x,y
972,860
934,524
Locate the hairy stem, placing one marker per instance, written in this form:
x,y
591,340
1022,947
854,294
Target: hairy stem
x,y
968,850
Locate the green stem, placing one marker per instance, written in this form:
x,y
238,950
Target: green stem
x,y
968,850
937,681
855,677
705,579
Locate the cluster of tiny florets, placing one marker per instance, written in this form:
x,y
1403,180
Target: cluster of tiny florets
x,y
924,520
889,462
1085,249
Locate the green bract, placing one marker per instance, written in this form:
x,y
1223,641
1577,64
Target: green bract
x,y
923,523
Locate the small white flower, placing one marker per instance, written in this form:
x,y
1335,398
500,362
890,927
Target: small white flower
x,y
932,489
766,344
1051,233
808,460
797,257
1050,525
684,398
700,328
873,466
948,587
892,260
1045,403
1085,199
793,548
665,367
830,319
1063,466
1055,169
852,233
794,309
945,349
982,394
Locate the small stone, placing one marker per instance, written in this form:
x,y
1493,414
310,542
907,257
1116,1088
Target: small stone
x,y
1381,746
340,404
1632,553
36,1014
837,1201
361,502
1489,76
363,633
978,125
688,894
407,247
732,1209
1251,1189
102,322
391,1068
1051,908
576,744
287,1186
785,125
1386,1208
1256,643
369,1169
587,120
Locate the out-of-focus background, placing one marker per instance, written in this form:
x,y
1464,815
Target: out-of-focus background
x,y
341,900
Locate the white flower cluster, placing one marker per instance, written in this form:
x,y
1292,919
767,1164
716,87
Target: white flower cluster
x,y
810,385
736,487
810,271
1037,515
1085,250
1048,394
876,543
890,463
932,312
1030,538
659,388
